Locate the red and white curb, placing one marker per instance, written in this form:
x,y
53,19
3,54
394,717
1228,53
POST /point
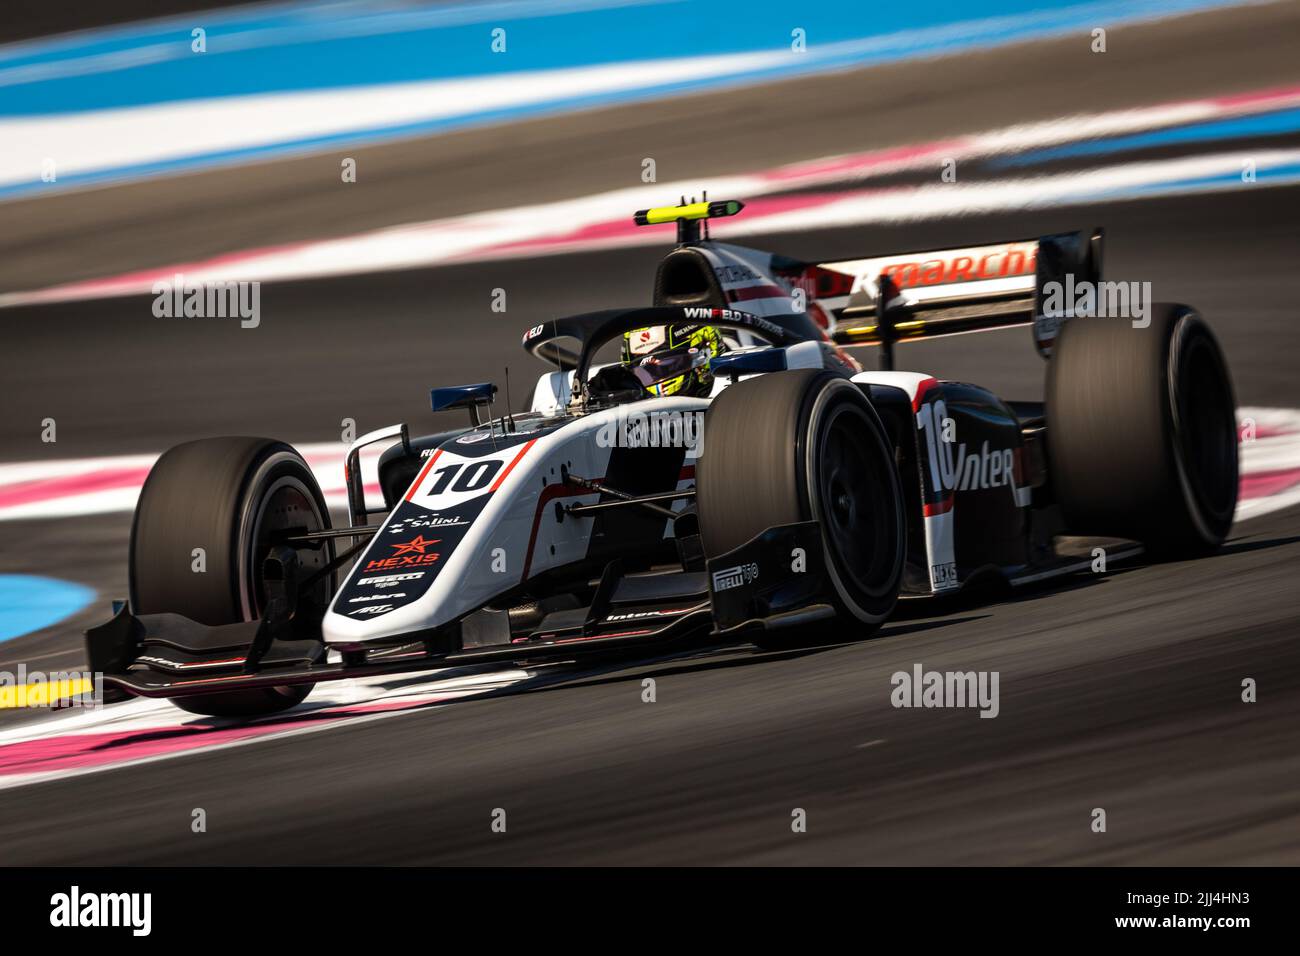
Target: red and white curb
x,y
604,220
87,486
1270,475
1270,461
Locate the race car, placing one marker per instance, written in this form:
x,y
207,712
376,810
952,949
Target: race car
x,y
787,496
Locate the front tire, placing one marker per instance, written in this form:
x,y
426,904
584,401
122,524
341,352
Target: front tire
x,y
1142,433
226,496
807,445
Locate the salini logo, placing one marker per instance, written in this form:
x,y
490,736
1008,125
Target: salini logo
x,y
75,908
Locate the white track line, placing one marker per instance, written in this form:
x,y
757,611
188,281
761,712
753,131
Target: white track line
x,y
559,226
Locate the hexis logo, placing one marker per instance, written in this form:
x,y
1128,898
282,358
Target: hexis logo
x,y
416,544
407,554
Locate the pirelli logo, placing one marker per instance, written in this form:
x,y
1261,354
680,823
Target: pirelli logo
x,y
729,578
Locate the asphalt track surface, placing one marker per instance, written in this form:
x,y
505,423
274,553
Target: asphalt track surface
x,y
1119,691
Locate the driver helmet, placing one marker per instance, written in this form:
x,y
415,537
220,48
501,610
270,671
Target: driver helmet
x,y
673,360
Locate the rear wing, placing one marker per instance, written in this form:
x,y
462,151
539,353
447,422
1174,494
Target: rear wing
x,y
925,295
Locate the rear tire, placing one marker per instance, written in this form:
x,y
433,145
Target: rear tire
x,y
226,496
797,446
1142,433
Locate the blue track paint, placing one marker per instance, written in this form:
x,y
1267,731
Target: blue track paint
x,y
1284,175
309,47
29,603
1277,123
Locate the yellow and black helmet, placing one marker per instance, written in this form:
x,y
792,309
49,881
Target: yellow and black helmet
x,y
670,360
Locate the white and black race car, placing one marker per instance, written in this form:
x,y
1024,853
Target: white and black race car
x,y
797,502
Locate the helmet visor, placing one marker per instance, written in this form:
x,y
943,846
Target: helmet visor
x,y
663,366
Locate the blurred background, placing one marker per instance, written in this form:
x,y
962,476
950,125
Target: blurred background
x,y
383,168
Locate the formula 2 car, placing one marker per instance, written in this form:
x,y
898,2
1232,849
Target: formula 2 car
x,y
796,502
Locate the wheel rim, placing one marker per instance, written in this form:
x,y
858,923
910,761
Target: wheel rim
x,y
859,521
287,503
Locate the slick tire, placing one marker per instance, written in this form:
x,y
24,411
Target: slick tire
x,y
225,496
1141,431
804,445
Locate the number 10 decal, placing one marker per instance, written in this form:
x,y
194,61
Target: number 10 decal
x,y
473,476
930,418
449,480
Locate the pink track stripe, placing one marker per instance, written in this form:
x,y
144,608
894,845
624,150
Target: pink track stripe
x,y
1279,93
46,489
77,751
330,257
860,162
623,227
1265,484
133,281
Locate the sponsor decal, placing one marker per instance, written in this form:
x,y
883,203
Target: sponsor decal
x,y
639,615
421,536
406,525
731,315
643,341
473,438
730,578
187,665
377,597
997,264
392,580
943,576
735,273
416,544
372,609
978,470
953,467
407,554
